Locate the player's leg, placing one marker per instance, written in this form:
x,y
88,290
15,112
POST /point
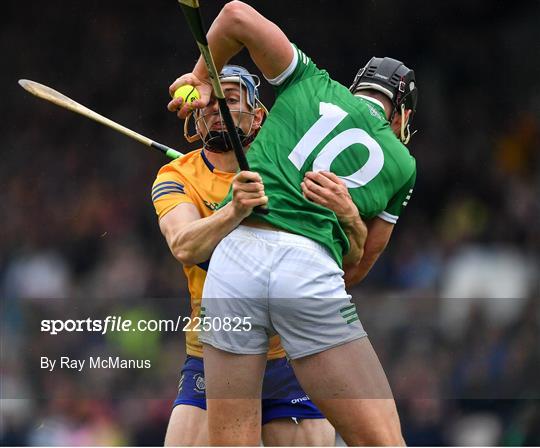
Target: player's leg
x,y
294,432
349,385
188,426
233,389
332,357
289,417
235,288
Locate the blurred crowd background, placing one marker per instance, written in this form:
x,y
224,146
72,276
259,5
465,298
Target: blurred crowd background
x,y
453,305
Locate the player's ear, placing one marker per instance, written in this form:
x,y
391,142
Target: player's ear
x,y
396,119
258,118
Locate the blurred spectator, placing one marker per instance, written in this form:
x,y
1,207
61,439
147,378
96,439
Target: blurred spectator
x,y
37,275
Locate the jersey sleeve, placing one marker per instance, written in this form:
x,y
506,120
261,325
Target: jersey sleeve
x,y
169,190
301,67
399,201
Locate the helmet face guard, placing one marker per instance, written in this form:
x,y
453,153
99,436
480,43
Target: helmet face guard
x,y
219,140
396,81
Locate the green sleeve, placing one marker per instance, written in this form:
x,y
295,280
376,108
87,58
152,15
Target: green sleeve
x,y
301,67
399,201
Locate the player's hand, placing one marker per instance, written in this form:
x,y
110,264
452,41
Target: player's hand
x,y
203,86
248,193
327,189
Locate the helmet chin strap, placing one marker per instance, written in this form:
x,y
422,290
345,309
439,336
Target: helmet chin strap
x,y
405,136
219,141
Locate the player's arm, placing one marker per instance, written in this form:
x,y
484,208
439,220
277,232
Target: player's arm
x,y
378,235
356,233
192,239
238,25
327,189
379,232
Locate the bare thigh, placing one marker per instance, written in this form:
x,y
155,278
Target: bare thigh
x,y
233,397
307,432
188,426
349,386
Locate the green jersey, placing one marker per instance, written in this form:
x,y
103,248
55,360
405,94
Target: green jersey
x,y
318,124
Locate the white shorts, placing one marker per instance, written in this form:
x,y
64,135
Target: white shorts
x,y
283,283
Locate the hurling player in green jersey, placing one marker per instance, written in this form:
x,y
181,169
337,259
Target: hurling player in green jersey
x,y
283,271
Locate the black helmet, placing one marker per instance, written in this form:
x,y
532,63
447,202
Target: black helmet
x,y
390,77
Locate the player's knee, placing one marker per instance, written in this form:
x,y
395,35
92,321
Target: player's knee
x,y
317,432
383,435
187,427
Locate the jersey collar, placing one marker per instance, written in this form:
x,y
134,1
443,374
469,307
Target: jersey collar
x,y
211,166
206,161
374,101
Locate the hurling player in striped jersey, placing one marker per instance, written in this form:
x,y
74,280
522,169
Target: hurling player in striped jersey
x,y
186,194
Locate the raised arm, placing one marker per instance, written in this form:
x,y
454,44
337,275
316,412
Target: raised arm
x,y
238,25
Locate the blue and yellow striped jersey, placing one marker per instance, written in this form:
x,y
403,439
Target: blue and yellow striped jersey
x,y
193,179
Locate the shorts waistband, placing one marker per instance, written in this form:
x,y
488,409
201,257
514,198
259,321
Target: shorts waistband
x,y
278,237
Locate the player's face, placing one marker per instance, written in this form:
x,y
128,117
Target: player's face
x,y
243,115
